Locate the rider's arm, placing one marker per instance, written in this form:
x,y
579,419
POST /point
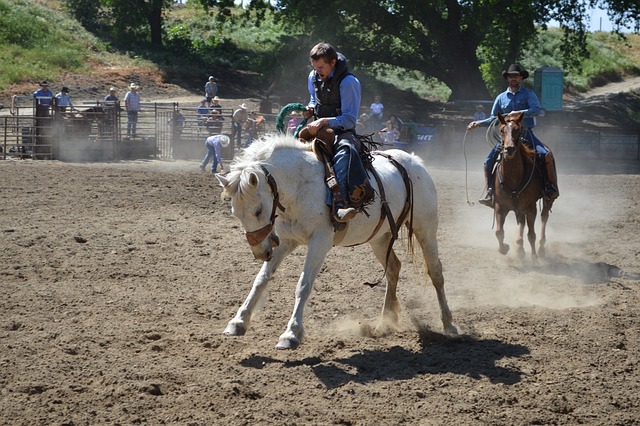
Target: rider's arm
x,y
350,96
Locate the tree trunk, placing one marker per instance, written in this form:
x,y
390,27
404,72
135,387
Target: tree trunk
x,y
155,23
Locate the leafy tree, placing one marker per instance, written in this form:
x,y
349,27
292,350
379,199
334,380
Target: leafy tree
x,y
455,41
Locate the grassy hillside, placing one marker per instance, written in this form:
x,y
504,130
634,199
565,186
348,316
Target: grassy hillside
x,y
39,40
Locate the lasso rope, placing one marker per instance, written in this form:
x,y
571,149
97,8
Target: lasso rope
x,y
283,113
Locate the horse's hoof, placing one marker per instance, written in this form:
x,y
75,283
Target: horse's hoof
x,y
451,330
234,330
287,343
521,253
504,249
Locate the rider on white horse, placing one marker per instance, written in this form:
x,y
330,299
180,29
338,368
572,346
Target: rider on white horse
x,y
335,96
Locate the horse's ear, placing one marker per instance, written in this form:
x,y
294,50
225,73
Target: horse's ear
x,y
519,117
253,179
501,119
223,180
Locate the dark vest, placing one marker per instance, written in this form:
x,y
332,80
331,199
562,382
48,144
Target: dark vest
x,y
328,92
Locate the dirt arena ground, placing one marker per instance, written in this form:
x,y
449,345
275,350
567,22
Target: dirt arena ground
x,y
118,279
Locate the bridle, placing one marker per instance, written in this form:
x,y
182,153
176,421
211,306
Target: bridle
x,y
256,237
515,193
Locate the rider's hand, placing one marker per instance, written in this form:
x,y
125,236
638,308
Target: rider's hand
x,y
472,125
308,113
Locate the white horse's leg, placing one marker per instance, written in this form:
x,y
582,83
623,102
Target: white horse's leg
x,y
239,325
429,245
318,247
391,306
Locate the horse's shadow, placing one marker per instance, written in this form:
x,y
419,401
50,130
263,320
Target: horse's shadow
x,y
440,354
587,272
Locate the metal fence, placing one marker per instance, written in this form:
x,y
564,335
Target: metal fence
x,y
102,131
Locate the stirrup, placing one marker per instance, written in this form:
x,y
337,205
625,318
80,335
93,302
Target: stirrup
x,y
488,199
551,192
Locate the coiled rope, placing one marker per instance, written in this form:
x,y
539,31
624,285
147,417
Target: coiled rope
x,y
284,111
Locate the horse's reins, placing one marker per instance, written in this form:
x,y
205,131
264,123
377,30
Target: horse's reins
x,y
256,237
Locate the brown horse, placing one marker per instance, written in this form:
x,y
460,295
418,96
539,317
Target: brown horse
x,y
518,186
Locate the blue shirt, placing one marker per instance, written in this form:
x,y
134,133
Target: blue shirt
x,y
524,100
43,96
64,100
214,142
350,96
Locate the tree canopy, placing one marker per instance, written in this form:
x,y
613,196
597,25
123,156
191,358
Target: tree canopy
x,y
462,43
453,41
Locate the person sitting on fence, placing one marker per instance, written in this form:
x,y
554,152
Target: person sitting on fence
x,y
63,100
389,134
203,114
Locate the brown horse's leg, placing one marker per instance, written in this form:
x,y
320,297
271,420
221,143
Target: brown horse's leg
x,y
531,235
500,217
544,217
520,238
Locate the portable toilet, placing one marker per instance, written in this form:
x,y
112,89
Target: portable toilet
x,y
548,84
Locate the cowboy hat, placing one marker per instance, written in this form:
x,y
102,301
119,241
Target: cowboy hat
x,y
515,69
243,106
211,77
133,86
113,89
224,140
215,98
64,89
44,83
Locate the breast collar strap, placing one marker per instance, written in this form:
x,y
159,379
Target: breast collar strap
x,y
256,237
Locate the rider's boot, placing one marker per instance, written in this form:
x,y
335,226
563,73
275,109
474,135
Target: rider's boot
x,y
546,165
551,187
345,214
488,200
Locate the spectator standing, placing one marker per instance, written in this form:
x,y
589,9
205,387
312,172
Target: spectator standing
x,y
177,122
479,114
112,96
239,119
132,104
43,98
63,100
377,111
210,90
214,145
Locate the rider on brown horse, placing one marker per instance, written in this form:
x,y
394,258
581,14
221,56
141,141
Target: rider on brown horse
x,y
514,100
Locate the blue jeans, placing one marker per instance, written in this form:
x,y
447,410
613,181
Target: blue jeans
x,y
132,122
350,172
237,130
211,153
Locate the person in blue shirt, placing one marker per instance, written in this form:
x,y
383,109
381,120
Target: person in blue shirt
x,y
63,100
43,99
335,96
214,145
514,100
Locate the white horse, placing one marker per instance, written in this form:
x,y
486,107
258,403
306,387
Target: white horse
x,y
280,177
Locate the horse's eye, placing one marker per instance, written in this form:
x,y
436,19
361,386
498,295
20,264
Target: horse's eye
x,y
259,212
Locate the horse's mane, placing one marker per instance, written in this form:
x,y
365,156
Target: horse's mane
x,y
527,153
249,159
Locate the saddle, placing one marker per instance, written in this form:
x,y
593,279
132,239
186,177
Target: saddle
x,y
361,193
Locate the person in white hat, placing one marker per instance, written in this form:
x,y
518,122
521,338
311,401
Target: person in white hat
x,y
132,105
214,145
210,90
239,120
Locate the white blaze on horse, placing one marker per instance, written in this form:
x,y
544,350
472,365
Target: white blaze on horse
x,y
278,193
